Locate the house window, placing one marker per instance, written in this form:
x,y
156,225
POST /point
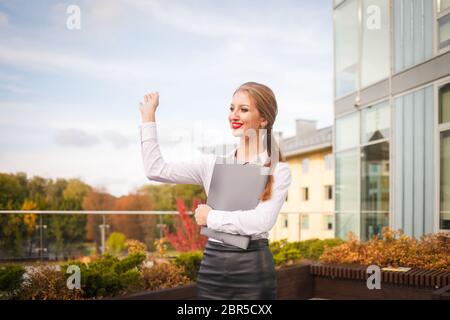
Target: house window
x,y
443,23
329,192
305,166
305,194
328,162
286,221
305,221
328,222
444,131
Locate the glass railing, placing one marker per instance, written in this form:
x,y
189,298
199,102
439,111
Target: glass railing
x,y
64,235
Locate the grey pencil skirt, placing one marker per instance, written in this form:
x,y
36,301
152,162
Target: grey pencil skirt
x,y
231,273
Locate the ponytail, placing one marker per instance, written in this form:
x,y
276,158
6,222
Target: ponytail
x,y
267,193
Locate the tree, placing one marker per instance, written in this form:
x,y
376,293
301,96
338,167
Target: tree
x,y
116,243
187,235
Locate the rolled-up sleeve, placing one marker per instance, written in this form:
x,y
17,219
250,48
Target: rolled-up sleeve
x,y
157,169
258,220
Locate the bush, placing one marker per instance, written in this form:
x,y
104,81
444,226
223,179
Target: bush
x,y
46,283
164,275
285,252
190,261
393,249
109,275
116,243
135,246
11,278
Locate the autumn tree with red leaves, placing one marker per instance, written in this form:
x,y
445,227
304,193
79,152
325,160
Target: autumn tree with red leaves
x,y
187,235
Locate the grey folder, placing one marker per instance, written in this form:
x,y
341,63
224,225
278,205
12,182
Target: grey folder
x,y
234,187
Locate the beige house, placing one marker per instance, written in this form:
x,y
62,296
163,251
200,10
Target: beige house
x,y
309,209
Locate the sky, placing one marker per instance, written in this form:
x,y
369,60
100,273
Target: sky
x,y
69,97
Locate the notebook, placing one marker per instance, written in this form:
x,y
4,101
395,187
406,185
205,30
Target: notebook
x,y
234,187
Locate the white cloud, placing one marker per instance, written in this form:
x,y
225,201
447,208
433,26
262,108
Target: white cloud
x,y
196,20
71,137
4,19
117,139
61,62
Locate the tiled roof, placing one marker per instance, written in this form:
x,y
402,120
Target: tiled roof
x,y
319,139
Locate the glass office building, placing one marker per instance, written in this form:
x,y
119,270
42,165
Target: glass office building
x,y
392,116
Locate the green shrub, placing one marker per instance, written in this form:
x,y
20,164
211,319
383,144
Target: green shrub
x,y
190,261
11,278
286,255
109,275
285,252
116,243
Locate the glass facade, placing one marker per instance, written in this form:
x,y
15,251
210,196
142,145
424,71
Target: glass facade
x,y
363,178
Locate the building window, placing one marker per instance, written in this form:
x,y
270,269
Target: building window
x,y
346,47
286,221
444,104
444,129
413,32
443,23
375,123
329,192
375,27
305,166
305,194
361,45
347,132
328,222
328,162
305,221
347,182
362,172
374,189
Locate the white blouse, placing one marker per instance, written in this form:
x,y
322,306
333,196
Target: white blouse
x,y
256,222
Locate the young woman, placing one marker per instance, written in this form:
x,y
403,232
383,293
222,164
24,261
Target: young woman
x,y
228,272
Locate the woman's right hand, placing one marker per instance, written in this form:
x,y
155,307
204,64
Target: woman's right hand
x,y
148,107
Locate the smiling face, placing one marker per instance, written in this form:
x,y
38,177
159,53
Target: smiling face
x,y
244,115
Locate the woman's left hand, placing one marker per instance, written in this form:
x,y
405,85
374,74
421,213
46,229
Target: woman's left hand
x,y
201,214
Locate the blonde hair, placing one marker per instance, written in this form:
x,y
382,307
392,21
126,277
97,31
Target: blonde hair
x,y
265,102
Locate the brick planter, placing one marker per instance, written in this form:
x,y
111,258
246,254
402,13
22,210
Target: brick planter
x,y
314,280
349,282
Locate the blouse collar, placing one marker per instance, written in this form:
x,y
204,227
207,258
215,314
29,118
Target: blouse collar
x,y
261,158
